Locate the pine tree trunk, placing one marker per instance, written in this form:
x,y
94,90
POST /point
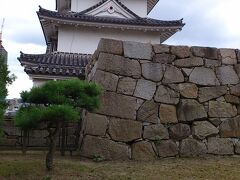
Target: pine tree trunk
x,y
52,147
24,142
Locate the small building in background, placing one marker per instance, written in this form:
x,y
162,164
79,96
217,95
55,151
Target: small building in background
x,y
73,31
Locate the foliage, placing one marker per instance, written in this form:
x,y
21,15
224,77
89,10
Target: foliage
x,y
55,103
5,79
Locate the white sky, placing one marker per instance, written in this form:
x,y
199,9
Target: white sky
x,y
208,23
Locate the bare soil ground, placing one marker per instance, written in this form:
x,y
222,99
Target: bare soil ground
x,y
14,166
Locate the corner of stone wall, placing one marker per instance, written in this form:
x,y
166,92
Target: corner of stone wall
x,y
163,101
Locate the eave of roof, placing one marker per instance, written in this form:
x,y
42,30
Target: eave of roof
x,y
55,64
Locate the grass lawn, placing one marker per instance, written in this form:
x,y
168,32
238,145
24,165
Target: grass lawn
x,y
15,166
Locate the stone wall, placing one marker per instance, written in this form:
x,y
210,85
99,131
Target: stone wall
x,y
163,101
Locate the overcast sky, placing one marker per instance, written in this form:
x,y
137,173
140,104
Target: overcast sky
x,y
208,23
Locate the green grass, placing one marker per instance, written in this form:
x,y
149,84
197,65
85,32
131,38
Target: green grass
x,y
15,166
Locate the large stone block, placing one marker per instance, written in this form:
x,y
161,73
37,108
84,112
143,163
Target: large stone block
x,y
238,54
230,127
189,62
152,71
209,63
190,110
220,146
208,93
124,130
166,95
119,65
227,75
110,46
221,109
237,69
137,50
192,148
237,147
235,90
232,99
164,58
8,142
118,105
148,112
181,51
161,48
188,90
205,52
155,132
106,80
203,76
143,151
167,114
203,129
145,89
105,148
179,131
167,148
126,85
228,56
95,124
173,75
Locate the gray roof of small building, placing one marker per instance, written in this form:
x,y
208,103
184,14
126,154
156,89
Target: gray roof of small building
x,y
55,64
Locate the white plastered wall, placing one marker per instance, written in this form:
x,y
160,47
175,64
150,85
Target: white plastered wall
x,y
86,39
137,6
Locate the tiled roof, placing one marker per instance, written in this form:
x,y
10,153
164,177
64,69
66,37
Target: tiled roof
x,y
103,1
56,64
78,17
151,4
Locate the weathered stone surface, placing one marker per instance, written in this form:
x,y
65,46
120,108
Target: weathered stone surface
x,y
205,52
189,62
166,95
192,148
237,69
148,112
161,48
220,146
152,71
8,142
237,147
124,130
215,121
203,129
164,58
221,109
179,131
238,55
203,76
137,50
107,149
167,148
232,99
143,151
208,93
117,105
145,89
119,65
227,75
126,85
189,110
187,71
181,51
155,132
106,80
173,75
95,124
235,90
110,46
188,90
228,56
209,63
230,127
167,114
